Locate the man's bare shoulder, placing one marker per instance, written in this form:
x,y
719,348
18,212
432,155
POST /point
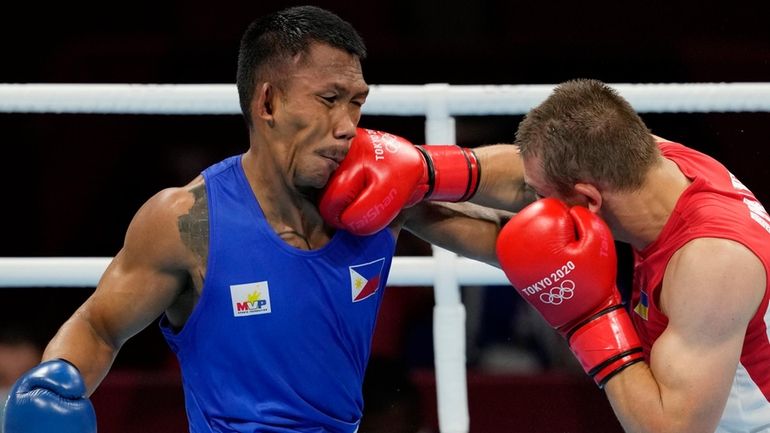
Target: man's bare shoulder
x,y
711,278
172,225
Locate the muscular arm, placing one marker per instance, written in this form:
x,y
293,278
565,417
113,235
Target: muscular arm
x,y
502,178
144,279
464,228
711,289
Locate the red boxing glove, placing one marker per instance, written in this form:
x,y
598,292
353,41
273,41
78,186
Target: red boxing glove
x,y
562,261
383,173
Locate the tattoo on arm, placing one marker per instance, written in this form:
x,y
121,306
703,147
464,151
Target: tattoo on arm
x,y
194,225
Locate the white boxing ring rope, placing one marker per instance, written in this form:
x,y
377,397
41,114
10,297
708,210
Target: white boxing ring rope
x,y
439,103
402,100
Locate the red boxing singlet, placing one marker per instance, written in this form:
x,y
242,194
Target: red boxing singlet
x,y
715,205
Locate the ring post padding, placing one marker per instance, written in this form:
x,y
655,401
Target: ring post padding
x,y
449,312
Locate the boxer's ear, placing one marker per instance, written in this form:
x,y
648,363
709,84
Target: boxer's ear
x,y
589,196
263,103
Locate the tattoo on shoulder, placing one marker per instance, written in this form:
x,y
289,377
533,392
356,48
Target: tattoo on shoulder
x,y
194,225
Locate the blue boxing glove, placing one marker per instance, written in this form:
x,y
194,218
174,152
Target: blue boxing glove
x,y
50,398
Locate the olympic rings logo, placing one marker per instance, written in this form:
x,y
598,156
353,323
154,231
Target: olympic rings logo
x,y
391,142
557,295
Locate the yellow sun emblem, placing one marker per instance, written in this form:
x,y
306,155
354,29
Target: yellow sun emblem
x,y
254,297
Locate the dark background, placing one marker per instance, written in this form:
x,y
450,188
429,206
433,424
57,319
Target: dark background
x,y
74,181
71,183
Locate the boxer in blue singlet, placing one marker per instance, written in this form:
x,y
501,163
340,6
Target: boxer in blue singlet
x,y
269,309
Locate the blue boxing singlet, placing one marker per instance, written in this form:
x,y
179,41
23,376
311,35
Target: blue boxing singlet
x,y
280,337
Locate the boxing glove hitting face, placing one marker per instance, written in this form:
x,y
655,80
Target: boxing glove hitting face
x,y
562,262
383,173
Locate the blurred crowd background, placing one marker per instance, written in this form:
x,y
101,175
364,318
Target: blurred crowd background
x,y
71,183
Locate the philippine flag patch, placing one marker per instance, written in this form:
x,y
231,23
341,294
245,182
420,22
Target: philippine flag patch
x,y
365,279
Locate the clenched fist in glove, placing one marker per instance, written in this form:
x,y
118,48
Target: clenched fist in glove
x,y
49,398
383,173
562,261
